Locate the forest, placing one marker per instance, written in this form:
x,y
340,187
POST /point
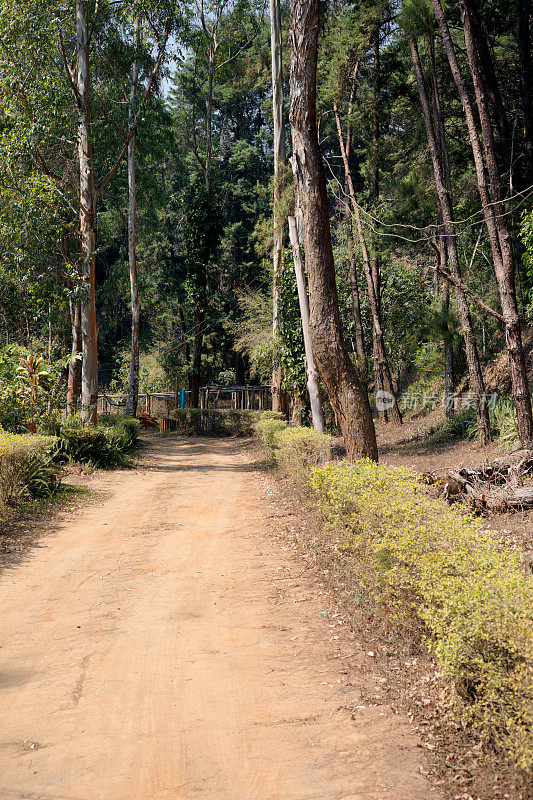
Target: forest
x,y
146,185
311,223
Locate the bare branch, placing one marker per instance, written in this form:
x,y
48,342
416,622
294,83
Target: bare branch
x,y
451,279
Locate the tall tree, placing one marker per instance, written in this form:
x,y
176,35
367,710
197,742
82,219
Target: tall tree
x,y
439,158
494,214
313,383
346,392
133,391
280,159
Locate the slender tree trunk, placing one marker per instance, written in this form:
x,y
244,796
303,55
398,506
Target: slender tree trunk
x,y
346,392
209,120
313,383
438,128
280,159
352,262
354,288
133,394
446,213
383,402
74,367
524,49
449,376
196,372
377,347
89,373
495,220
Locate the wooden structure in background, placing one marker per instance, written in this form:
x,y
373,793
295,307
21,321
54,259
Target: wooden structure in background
x,y
160,404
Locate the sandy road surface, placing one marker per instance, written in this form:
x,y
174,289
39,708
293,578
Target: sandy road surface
x,y
148,650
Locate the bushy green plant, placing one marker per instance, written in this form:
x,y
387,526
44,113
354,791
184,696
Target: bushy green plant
x,y
471,594
267,426
106,445
503,421
461,426
422,557
298,450
26,469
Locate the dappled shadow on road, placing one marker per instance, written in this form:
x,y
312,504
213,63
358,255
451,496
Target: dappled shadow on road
x,y
21,534
203,468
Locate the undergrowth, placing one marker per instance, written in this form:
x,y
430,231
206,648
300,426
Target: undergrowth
x,y
463,425
435,563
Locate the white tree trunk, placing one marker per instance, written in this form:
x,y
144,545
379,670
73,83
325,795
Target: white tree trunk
x,y
89,373
133,395
280,158
313,384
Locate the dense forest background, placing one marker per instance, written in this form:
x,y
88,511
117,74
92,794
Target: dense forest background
x,y
204,188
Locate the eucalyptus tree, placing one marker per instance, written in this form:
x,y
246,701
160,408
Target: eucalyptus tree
x,y
48,56
280,159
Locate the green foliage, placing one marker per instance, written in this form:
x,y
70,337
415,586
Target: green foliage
x,y
11,415
503,422
461,426
107,445
423,557
290,330
266,428
471,593
253,332
26,469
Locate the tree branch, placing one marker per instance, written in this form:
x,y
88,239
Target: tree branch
x,y
451,279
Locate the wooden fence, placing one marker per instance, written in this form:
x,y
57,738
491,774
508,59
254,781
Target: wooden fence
x,y
160,404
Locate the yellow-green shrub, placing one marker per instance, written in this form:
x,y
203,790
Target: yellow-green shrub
x,y
26,468
266,426
471,593
298,450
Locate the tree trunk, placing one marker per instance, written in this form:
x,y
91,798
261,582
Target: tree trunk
x,y
354,288
196,372
280,158
313,384
377,349
494,215
133,395
524,50
385,397
209,120
346,392
74,367
445,204
89,372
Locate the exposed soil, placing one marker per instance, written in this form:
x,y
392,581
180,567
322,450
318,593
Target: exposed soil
x,y
160,643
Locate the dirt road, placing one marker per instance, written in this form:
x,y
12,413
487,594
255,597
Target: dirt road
x,y
150,649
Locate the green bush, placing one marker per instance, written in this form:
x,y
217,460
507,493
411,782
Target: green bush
x,y
266,427
461,426
26,469
426,559
217,422
298,450
106,445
